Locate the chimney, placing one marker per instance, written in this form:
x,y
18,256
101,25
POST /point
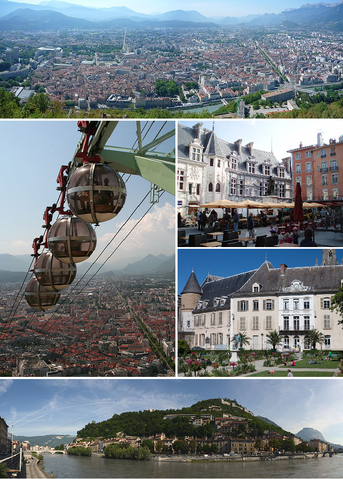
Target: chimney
x,y
250,146
238,144
283,268
197,128
320,139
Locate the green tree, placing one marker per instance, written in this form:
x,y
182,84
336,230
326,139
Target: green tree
x,y
3,470
337,303
259,444
148,443
288,445
273,338
316,337
183,347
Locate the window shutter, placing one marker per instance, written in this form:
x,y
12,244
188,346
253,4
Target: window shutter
x,y
321,303
264,305
246,305
272,305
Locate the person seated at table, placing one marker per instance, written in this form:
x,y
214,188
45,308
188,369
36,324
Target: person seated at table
x,y
307,241
295,235
288,239
274,235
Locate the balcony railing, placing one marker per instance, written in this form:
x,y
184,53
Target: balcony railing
x,y
334,168
324,169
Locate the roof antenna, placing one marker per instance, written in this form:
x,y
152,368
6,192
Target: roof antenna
x,y
266,257
213,126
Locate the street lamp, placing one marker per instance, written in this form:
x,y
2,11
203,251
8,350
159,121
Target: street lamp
x,y
262,339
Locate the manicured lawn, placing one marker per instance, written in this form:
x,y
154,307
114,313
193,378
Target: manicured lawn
x,y
296,374
304,363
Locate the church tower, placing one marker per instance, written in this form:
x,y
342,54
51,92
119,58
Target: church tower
x,y
329,257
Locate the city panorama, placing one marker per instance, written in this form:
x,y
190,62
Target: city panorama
x,y
78,61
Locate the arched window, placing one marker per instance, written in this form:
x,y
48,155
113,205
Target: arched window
x,y
218,188
210,187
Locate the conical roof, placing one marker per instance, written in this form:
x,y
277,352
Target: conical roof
x,y
192,285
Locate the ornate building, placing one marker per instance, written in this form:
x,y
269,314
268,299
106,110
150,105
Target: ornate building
x,y
291,301
210,169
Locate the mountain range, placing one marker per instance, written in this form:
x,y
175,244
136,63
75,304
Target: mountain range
x,y
54,14
50,440
308,433
13,268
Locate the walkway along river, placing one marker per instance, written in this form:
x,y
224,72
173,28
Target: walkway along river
x,y
64,466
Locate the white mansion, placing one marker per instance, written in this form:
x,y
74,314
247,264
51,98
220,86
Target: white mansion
x,y
290,300
210,169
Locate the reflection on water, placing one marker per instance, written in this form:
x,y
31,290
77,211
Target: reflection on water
x,y
84,467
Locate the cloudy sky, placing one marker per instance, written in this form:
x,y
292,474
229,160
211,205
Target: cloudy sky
x,y
211,9
40,406
32,154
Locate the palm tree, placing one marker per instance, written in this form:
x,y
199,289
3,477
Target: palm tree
x,y
242,339
273,338
316,337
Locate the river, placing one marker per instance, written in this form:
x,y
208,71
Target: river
x,y
64,466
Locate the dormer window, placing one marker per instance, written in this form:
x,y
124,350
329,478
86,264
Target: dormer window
x,y
199,304
223,300
256,288
267,170
234,163
204,304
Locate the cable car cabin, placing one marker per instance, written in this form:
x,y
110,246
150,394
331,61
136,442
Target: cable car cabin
x,y
52,273
71,240
95,193
38,297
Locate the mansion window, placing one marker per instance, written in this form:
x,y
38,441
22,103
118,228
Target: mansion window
x,y
308,154
234,163
203,320
309,195
334,178
242,324
281,173
268,322
327,322
242,306
324,166
196,154
308,168
267,170
327,341
308,180
220,321
180,179
335,194
241,187
296,323
325,303
255,322
306,304
324,179
323,153
307,323
196,320
255,305
333,165
332,150
282,191
190,188
210,187
213,339
286,304
295,304
233,186
218,163
325,194
297,156
220,338
211,161
251,167
268,304
213,319
218,188
298,168
198,188
286,323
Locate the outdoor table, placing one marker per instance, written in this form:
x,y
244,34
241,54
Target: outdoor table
x,y
211,244
245,239
286,245
215,234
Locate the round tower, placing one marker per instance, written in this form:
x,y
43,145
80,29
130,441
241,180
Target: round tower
x,y
190,296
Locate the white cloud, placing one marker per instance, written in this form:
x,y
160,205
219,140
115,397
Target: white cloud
x,y
5,384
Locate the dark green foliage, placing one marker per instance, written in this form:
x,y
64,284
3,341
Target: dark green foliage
x,y
3,470
148,443
116,451
166,88
79,451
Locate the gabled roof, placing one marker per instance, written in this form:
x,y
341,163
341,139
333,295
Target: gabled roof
x,y
314,278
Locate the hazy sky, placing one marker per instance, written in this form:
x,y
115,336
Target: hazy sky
x,y
277,136
41,406
227,263
214,8
32,154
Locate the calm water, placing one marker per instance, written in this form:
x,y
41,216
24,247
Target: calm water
x,y
83,467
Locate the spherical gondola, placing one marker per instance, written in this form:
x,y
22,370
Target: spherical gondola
x,y
71,240
52,273
95,193
39,297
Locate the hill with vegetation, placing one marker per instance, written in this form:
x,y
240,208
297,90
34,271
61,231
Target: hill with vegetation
x,y
149,423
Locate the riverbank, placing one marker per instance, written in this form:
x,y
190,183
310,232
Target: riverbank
x,y
237,458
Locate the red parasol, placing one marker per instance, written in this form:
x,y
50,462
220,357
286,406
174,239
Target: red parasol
x,y
298,204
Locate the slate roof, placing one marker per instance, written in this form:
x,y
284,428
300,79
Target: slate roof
x,y
317,278
192,285
221,148
222,287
